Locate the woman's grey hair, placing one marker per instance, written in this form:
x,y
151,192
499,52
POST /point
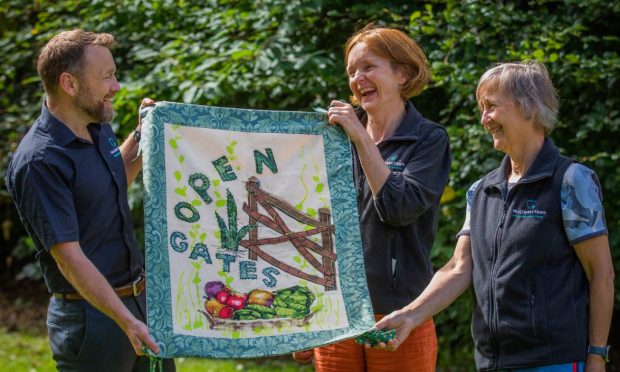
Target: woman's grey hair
x,y
528,84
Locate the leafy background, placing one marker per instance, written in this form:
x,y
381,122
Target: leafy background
x,y
288,55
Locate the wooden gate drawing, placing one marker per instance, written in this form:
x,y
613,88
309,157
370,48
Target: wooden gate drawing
x,y
299,239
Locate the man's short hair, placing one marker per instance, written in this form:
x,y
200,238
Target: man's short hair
x,y
65,52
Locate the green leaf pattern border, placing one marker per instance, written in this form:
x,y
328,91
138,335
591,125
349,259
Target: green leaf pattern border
x,y
344,211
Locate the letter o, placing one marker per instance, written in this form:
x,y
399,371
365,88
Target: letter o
x,y
178,211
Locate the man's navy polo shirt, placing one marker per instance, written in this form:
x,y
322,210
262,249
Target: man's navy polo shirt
x,y
69,189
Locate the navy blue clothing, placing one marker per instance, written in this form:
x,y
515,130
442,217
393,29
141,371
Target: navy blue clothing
x,y
531,290
398,225
69,189
84,339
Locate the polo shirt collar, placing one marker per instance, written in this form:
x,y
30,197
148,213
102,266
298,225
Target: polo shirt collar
x,y
61,134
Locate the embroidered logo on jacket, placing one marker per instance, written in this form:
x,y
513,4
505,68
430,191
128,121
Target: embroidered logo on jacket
x,y
116,152
530,211
394,165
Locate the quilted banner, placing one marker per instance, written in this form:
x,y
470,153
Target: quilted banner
x,y
252,239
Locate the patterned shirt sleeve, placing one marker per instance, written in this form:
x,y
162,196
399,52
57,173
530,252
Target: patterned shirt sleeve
x,y
470,196
582,204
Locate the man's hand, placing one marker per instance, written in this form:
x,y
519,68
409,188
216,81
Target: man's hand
x,y
130,148
146,102
138,334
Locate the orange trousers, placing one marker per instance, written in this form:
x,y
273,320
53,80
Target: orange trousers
x,y
418,353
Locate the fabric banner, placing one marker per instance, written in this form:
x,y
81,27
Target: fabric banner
x,y
252,239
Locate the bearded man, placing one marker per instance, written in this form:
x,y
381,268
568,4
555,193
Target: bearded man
x,y
68,179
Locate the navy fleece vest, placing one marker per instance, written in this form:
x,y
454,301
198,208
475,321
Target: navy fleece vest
x,y
531,291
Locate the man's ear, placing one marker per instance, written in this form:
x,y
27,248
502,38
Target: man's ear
x,y
68,84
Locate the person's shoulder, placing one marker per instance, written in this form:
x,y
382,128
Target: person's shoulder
x,y
435,129
425,125
431,124
29,158
577,173
472,189
475,185
32,147
431,132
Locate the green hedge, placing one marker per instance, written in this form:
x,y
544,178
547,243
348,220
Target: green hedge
x,y
287,54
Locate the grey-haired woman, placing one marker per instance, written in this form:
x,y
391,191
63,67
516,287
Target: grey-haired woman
x,y
534,244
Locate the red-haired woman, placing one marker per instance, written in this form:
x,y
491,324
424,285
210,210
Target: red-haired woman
x,y
401,165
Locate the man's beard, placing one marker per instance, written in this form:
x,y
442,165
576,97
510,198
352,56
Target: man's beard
x,y
94,108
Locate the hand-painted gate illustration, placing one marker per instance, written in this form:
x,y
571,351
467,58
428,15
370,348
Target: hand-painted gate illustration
x,y
321,226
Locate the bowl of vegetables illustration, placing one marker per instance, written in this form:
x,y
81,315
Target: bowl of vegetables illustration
x,y
227,308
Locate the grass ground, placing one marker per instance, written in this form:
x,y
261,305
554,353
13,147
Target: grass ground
x,y
21,351
24,352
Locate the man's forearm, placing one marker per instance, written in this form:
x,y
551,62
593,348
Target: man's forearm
x,y
90,283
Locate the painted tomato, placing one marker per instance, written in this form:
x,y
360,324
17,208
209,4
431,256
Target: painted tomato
x,y
226,312
222,296
236,301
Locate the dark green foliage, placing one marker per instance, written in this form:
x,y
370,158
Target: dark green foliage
x,y
287,55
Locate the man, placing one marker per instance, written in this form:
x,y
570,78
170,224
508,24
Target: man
x,y
68,179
